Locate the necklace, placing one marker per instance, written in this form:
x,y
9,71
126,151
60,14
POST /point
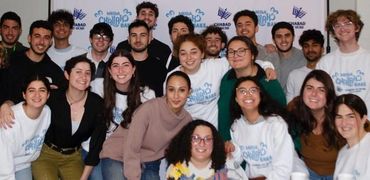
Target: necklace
x,y
71,101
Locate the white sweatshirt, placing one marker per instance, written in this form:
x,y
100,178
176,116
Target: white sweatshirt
x,y
21,144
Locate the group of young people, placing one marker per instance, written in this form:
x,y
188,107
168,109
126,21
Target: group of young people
x,y
219,117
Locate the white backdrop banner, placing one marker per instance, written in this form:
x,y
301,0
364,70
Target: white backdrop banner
x,y
119,14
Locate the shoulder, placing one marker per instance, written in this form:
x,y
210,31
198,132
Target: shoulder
x,y
93,97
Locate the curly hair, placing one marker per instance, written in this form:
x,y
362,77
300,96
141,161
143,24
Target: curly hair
x,y
62,15
149,5
311,34
183,19
351,15
215,30
133,91
179,149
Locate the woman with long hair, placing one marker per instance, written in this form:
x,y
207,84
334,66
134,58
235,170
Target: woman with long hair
x,y
21,144
153,126
351,120
318,138
259,133
197,152
122,96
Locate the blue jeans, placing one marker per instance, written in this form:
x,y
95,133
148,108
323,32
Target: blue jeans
x,y
96,173
24,174
150,170
314,176
112,169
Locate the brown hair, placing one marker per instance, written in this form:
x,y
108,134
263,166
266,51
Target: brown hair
x,y
350,15
197,39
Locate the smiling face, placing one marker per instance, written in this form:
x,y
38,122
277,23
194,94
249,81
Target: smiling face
x,y
345,30
245,27
201,144
248,96
177,92
61,30
314,95
36,94
283,40
214,45
190,57
239,55
312,50
349,123
10,32
100,43
147,15
121,70
79,77
40,40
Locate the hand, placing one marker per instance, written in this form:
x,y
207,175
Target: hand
x,y
6,116
270,48
229,147
270,74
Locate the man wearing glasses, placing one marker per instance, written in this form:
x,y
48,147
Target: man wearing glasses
x,y
348,65
62,22
101,39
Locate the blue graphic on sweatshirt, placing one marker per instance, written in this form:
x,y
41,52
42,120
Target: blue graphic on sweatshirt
x,y
201,95
256,155
350,82
34,144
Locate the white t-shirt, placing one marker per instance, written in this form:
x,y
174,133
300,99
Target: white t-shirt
x,y
355,160
97,86
60,56
205,89
266,146
295,81
21,144
349,71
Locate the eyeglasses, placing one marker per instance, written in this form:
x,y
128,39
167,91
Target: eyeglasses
x,y
344,25
197,140
240,52
245,91
101,36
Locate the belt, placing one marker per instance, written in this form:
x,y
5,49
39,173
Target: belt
x,y
62,150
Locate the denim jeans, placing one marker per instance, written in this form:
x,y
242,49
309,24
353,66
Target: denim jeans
x,y
24,174
96,173
150,170
112,169
314,176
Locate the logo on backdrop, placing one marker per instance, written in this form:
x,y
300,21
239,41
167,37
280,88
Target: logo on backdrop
x,y
298,14
196,16
118,19
79,15
223,14
267,17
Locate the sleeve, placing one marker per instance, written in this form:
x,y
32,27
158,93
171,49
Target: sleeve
x,y
7,168
283,152
135,137
274,89
290,88
97,87
237,154
97,136
265,64
223,109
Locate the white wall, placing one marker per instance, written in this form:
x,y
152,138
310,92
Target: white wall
x,y
28,10
31,10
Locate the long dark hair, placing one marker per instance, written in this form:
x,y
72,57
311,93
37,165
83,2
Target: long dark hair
x,y
179,149
133,92
304,115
